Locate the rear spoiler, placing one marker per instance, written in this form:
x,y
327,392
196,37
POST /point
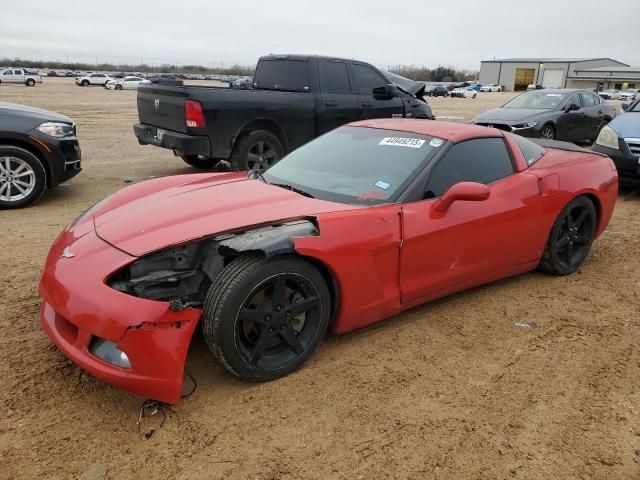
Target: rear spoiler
x,y
567,146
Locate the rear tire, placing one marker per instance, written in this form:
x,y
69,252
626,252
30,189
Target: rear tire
x,y
23,178
30,82
256,150
264,317
570,238
197,161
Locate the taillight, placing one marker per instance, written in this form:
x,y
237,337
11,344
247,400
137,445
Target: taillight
x,y
193,114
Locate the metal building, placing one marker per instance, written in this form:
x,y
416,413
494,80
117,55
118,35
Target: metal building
x,y
517,73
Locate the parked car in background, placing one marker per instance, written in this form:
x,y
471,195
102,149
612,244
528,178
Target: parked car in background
x,y
126,83
533,86
439,91
463,92
295,99
492,87
242,83
560,114
38,150
93,79
620,140
629,94
354,227
610,94
163,79
19,75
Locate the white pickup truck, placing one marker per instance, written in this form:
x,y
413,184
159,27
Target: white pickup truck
x,y
19,75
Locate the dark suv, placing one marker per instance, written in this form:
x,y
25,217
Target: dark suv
x,y
38,149
439,91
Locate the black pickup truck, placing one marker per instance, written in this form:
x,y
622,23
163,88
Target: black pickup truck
x,y
294,99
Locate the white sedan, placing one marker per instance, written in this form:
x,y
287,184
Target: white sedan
x,y
612,94
126,83
630,94
464,92
492,87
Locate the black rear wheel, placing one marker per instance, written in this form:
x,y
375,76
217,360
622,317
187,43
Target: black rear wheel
x,y
264,317
571,237
256,150
198,161
30,82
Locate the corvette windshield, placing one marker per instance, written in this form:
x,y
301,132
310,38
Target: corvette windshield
x,y
537,100
355,165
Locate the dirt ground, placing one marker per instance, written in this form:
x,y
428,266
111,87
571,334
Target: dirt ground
x,y
450,390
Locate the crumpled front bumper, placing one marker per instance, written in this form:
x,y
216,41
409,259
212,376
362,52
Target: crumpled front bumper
x,y
78,305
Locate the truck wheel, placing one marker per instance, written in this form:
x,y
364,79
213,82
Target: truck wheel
x,y
23,178
256,150
197,161
30,82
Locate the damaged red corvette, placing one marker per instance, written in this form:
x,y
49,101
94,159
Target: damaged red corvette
x,y
364,222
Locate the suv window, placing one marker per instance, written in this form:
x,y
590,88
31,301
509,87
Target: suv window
x,y
483,160
588,100
283,75
531,151
366,79
337,77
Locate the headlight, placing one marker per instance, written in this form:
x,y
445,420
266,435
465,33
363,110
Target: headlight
x,y
608,138
56,129
525,125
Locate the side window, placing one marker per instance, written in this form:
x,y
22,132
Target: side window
x,y
366,78
336,77
596,99
17,72
8,72
483,160
531,151
587,100
575,98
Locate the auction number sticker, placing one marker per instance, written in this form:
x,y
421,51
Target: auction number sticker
x,y
402,142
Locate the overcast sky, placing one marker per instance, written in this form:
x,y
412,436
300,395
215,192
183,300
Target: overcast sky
x,y
411,32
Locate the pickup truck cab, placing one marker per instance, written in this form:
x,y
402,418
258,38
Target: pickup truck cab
x,y
295,99
19,75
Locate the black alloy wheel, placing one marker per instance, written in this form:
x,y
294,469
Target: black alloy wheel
x,y
264,317
570,238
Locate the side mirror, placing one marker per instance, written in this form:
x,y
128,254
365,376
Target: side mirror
x,y
572,107
625,106
464,191
385,93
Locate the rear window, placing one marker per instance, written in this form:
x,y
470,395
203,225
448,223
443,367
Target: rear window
x,y
531,151
292,75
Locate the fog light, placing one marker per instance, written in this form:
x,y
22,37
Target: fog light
x,y
107,351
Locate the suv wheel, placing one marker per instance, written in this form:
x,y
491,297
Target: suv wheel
x,y
23,178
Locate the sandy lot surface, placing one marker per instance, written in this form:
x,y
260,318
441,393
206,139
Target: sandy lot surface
x,y
450,390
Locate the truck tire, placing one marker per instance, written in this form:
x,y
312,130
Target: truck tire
x,y
256,150
30,82
23,178
197,161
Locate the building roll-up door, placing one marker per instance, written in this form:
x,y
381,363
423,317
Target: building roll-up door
x,y
552,78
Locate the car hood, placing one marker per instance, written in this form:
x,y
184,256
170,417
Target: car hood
x,y
156,214
510,115
627,125
37,114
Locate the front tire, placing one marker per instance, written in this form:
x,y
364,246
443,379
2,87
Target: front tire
x,y
256,150
118,87
84,83
23,178
264,317
548,132
197,161
571,237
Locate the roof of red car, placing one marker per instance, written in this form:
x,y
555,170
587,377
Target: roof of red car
x,y
452,131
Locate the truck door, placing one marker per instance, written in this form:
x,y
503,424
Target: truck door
x,y
366,79
338,101
7,76
18,76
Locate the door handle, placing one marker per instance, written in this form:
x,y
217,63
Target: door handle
x,y
366,104
330,104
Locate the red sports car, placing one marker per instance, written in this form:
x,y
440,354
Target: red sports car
x,y
364,222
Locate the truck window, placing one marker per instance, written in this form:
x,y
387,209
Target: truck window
x,y
336,77
366,78
282,75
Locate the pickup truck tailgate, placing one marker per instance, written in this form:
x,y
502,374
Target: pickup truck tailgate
x,y
162,108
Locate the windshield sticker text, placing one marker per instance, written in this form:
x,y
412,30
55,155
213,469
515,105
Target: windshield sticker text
x,y
402,142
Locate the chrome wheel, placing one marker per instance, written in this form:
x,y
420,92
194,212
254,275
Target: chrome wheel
x,y
17,179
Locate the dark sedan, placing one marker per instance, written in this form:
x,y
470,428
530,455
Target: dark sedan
x,y
561,114
620,140
38,149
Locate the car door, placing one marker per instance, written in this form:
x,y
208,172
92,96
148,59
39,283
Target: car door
x,y
338,101
18,76
96,79
595,113
366,79
573,124
471,240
